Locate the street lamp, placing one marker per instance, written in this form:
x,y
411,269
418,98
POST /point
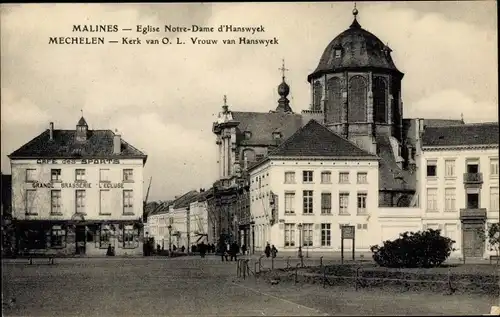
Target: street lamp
x,y
169,238
300,239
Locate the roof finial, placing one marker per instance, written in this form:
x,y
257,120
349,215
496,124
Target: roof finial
x,y
283,69
81,110
225,106
355,12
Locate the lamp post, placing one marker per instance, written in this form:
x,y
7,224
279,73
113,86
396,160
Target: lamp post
x,y
300,239
169,238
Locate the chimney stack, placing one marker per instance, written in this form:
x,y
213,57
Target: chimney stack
x,y
51,131
117,143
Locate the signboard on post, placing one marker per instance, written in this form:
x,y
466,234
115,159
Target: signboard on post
x,y
347,232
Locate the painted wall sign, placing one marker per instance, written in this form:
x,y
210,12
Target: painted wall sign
x,y
42,185
110,185
78,161
76,185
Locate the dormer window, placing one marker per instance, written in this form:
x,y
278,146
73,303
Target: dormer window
x,y
248,135
338,53
276,135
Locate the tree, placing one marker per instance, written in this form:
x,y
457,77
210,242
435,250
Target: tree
x,y
492,237
420,249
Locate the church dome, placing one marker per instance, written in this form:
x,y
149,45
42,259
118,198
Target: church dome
x,y
283,89
353,49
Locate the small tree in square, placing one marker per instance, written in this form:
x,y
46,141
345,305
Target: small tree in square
x,y
492,237
414,249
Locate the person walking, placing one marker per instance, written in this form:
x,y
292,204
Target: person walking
x,y
222,250
267,251
274,251
244,249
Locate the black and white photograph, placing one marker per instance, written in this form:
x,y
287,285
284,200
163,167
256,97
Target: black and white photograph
x,y
250,159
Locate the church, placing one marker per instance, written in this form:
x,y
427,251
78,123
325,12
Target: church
x,y
355,93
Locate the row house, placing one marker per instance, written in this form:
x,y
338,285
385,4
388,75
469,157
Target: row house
x,y
78,192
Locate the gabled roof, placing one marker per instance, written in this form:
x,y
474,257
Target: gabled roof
x,y
82,122
185,200
99,143
462,135
316,140
156,208
263,124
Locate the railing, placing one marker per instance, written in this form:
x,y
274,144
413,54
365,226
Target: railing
x,y
473,178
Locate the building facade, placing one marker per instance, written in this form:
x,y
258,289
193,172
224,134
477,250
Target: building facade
x,y
459,184
78,192
310,186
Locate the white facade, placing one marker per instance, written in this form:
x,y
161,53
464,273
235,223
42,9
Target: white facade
x,y
445,190
57,189
341,183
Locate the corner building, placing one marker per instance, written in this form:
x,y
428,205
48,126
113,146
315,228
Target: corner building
x,y
78,192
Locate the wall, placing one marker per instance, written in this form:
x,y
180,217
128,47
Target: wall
x,y
272,180
113,208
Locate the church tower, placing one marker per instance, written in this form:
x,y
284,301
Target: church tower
x,y
358,88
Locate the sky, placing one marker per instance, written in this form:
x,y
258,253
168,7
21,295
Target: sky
x,y
164,98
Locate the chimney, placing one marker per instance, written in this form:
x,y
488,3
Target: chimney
x,y
51,131
117,143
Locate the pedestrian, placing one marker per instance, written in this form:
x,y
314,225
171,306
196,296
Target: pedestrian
x,y
234,251
183,249
244,249
228,250
222,250
202,249
267,251
274,251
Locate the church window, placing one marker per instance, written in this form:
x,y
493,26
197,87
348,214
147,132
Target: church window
x,y
333,109
380,99
318,95
357,99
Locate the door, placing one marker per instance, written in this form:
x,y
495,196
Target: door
x,y
80,239
473,245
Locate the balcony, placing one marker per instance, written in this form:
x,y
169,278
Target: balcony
x,y
473,214
473,178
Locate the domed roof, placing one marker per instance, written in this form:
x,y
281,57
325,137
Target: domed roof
x,y
283,89
358,49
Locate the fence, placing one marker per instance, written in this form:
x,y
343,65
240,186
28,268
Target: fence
x,y
356,278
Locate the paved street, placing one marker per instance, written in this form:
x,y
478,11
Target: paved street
x,y
192,286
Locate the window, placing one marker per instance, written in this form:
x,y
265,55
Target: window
x,y
326,177
494,167
276,135
30,202
248,135
80,201
449,168
307,176
380,99
344,203
431,168
472,200
57,237
307,234
80,175
289,177
55,200
362,178
326,237
127,202
104,202
494,204
326,203
449,199
361,203
344,178
357,99
130,237
55,175
104,175
432,199
338,53
308,202
289,235
30,175
363,226
317,95
104,237
289,203
128,175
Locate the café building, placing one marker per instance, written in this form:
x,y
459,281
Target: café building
x,y
78,192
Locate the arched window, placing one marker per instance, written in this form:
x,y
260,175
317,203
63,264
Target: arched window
x,y
356,110
333,109
317,95
380,100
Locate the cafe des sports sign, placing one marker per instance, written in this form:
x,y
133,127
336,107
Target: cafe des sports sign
x,y
78,161
76,185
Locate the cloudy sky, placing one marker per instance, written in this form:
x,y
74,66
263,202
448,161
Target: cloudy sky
x,y
164,98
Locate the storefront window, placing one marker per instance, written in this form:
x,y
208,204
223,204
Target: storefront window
x,y
130,237
58,237
104,237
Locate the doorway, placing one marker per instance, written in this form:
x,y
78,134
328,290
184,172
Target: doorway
x,y
80,239
473,244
